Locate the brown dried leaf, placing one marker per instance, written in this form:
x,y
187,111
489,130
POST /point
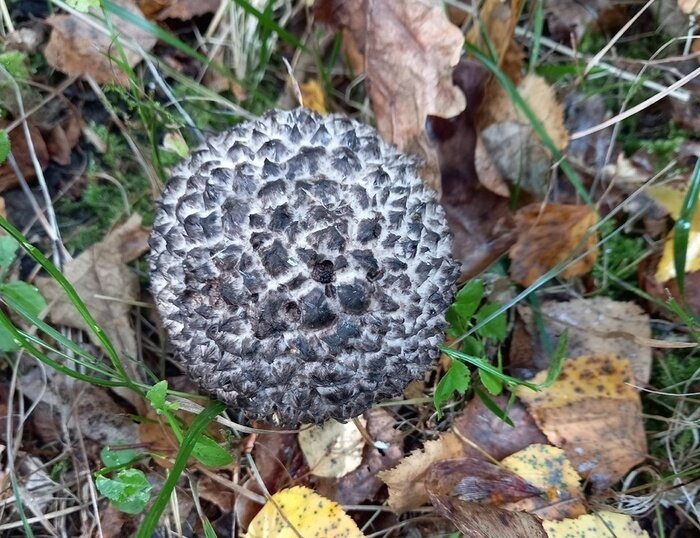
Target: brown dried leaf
x,y
177,9
480,220
479,521
62,138
20,150
80,406
497,22
490,434
101,272
279,462
602,325
542,101
406,481
476,480
549,235
77,48
592,413
392,36
689,6
362,483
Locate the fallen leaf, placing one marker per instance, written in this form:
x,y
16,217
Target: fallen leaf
x,y
592,413
81,407
177,9
63,137
599,524
475,480
406,481
509,137
689,6
479,219
550,234
107,286
391,36
23,155
479,521
332,449
493,31
77,48
547,468
481,428
540,99
279,462
313,97
672,200
300,511
362,483
518,155
568,20
582,112
595,325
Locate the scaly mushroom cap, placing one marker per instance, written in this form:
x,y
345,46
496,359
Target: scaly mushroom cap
x,y
301,268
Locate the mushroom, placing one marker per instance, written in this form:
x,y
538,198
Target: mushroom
x,y
301,268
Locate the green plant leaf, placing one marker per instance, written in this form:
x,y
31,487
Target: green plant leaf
x,y
683,227
129,490
156,395
468,299
25,295
7,341
149,523
210,453
456,379
492,383
472,346
14,62
494,329
557,360
8,248
83,5
4,145
113,457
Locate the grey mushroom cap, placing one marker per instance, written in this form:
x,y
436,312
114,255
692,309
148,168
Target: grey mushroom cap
x,y
301,268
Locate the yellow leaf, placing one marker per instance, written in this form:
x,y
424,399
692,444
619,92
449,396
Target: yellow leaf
x,y
312,96
547,468
672,201
601,375
309,514
600,524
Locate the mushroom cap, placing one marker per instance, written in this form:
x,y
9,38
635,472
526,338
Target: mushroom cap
x,y
301,268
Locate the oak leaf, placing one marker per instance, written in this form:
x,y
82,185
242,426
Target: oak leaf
x,y
77,48
409,51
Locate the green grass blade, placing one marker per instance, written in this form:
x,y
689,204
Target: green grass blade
x,y
266,21
537,35
24,342
484,365
150,522
681,232
73,296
